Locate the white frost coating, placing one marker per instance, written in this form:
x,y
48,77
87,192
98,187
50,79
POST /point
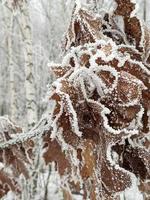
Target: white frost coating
x,y
132,193
122,59
6,125
108,69
38,130
83,89
54,122
78,72
131,103
139,117
100,52
65,101
100,85
135,11
72,54
97,81
76,52
109,155
57,84
142,41
78,5
114,131
52,66
120,23
74,121
141,66
74,161
104,111
9,196
128,46
1,165
91,79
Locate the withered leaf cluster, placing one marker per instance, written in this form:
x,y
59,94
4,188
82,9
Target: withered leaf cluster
x,y
99,138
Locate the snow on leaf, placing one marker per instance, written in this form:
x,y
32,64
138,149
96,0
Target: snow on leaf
x,y
101,108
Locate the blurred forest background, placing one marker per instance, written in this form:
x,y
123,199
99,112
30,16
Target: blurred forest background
x,y
31,36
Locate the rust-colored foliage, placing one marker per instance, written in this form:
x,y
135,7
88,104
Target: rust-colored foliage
x,y
124,90
85,27
13,159
101,107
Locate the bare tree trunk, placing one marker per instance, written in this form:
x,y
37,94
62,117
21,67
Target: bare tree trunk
x,y
147,14
13,108
144,10
8,19
29,72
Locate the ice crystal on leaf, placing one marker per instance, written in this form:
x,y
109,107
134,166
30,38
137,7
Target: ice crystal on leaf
x,y
98,129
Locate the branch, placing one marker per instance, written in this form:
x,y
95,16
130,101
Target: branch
x,y
43,127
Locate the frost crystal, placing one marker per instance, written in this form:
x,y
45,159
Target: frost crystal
x,y
97,133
